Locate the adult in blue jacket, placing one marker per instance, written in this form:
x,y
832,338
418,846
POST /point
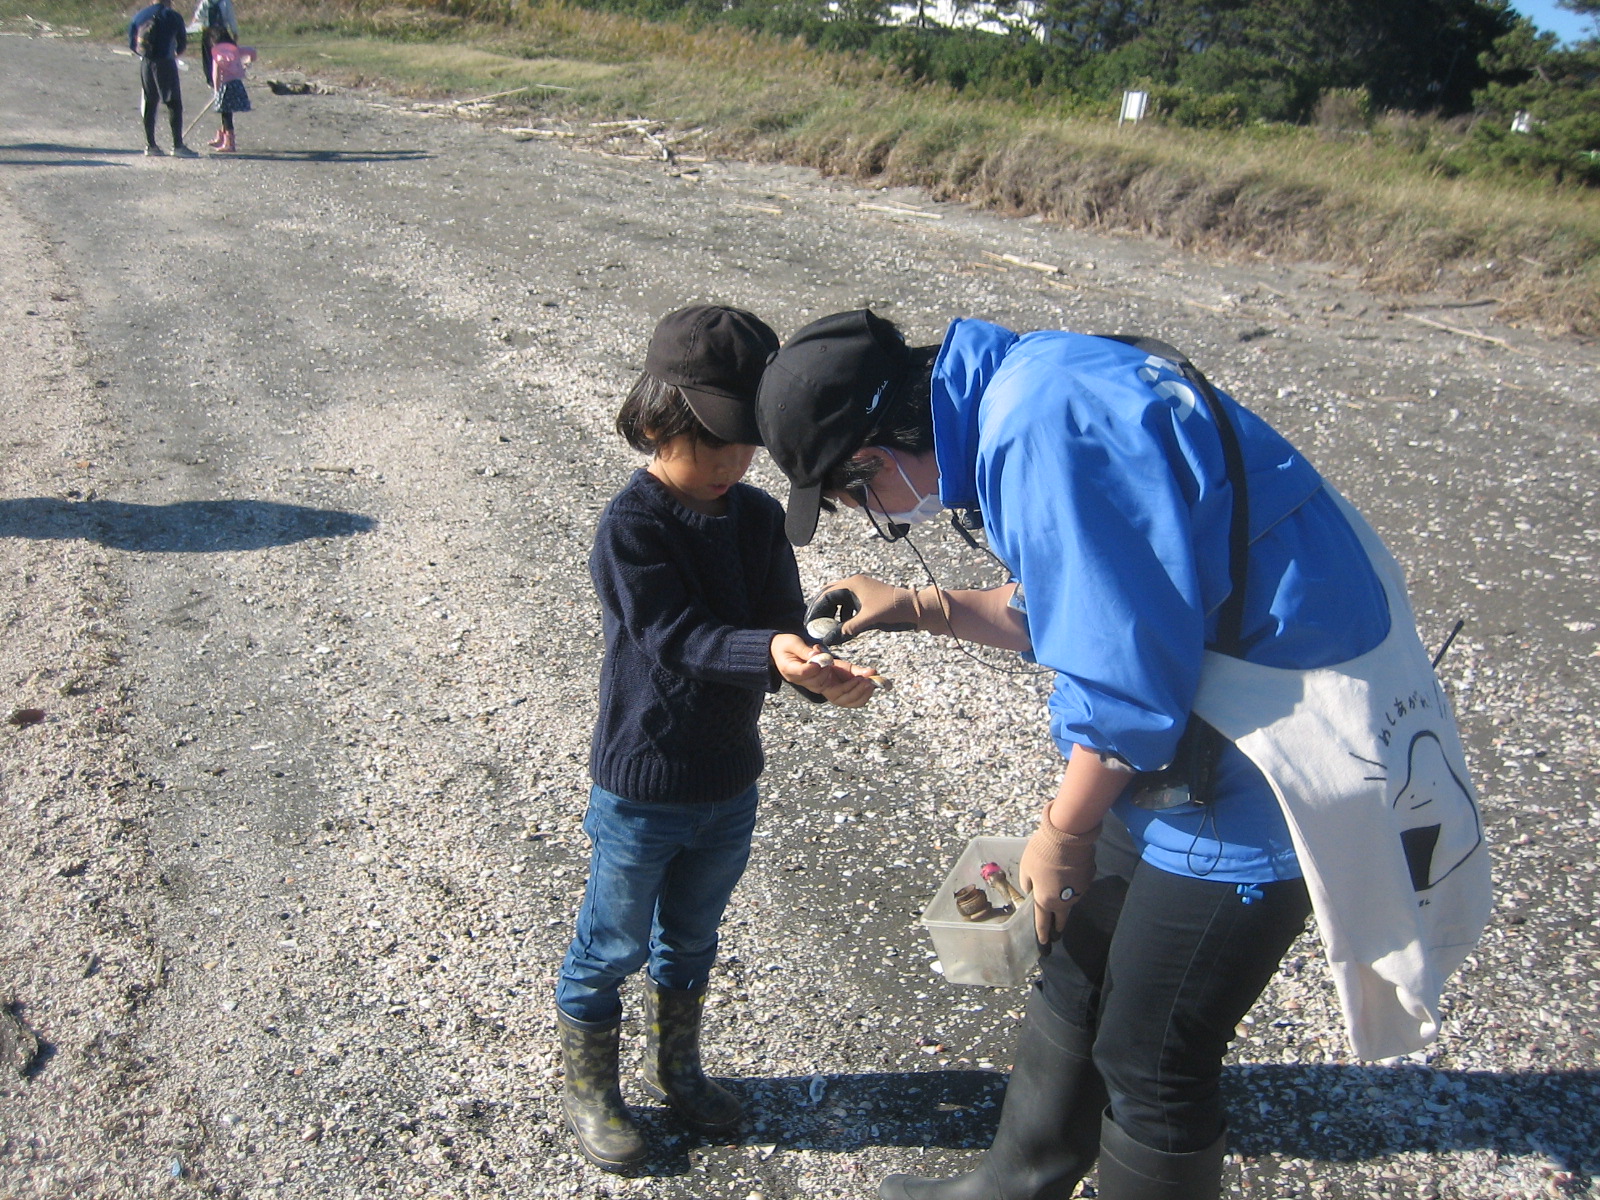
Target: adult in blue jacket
x,y
1100,476
164,38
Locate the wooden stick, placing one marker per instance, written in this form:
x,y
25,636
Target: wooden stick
x,y
1031,264
1018,261
494,96
197,120
903,212
1466,333
1222,312
1487,300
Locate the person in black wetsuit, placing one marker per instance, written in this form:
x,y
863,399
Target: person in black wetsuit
x,y
157,35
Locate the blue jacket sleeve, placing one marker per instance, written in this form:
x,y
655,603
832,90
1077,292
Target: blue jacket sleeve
x,y
1101,497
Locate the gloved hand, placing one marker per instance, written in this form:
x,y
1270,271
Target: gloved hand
x,y
863,603
1058,869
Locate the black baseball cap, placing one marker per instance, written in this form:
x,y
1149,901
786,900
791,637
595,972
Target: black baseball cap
x,y
823,396
715,355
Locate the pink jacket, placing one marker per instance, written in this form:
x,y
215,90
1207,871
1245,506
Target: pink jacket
x,y
228,62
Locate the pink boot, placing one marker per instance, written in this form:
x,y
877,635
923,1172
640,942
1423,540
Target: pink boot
x,y
216,142
227,146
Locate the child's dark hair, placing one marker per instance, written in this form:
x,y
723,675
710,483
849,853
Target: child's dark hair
x,y
654,413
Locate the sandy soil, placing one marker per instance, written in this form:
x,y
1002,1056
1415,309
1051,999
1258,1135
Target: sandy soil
x,y
302,454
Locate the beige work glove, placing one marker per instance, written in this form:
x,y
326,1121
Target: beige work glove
x,y
865,604
1058,869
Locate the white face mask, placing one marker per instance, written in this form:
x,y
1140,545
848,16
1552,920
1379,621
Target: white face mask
x,y
927,507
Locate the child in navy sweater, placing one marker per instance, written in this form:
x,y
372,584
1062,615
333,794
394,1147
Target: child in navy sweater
x,y
702,614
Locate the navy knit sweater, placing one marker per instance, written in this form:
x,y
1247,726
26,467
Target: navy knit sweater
x,y
690,606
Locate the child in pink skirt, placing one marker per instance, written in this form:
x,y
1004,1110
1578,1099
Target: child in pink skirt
x,y
228,63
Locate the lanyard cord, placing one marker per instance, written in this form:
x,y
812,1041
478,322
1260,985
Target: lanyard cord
x,y
899,531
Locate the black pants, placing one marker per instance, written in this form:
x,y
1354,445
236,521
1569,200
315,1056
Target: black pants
x,y
159,80
1160,968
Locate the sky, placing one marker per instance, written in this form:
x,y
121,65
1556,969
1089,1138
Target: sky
x,y
1568,26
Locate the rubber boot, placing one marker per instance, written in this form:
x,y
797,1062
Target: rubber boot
x,y
217,141
591,1097
672,1071
1049,1130
227,146
1131,1171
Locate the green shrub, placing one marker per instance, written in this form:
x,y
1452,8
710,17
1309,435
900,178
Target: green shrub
x,y
1189,109
1343,110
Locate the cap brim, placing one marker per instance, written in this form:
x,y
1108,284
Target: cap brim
x,y
731,420
800,519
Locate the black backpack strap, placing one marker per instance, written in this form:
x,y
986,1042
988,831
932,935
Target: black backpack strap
x,y
1230,620
1195,762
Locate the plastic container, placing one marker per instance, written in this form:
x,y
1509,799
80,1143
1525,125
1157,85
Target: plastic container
x,y
998,952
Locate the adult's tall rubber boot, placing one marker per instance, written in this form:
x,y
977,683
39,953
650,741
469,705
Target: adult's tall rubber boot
x,y
672,1071
1131,1171
592,1099
1049,1130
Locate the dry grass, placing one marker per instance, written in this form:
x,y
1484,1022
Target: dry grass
x,y
1368,203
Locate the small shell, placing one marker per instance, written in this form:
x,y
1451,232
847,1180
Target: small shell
x,y
823,629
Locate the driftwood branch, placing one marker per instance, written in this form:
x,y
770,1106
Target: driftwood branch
x,y
493,96
1033,264
902,212
1466,333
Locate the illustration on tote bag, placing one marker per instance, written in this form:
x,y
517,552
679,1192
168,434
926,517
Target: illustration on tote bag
x,y
1440,826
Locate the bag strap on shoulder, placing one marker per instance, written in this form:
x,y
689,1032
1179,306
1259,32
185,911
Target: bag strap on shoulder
x,y
1230,620
1200,748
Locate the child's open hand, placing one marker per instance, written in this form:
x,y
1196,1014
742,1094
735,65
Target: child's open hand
x,y
846,684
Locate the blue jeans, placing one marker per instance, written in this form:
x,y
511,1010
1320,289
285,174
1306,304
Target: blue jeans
x,y
1160,968
659,879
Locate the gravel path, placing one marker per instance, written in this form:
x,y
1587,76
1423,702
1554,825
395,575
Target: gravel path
x,y
302,455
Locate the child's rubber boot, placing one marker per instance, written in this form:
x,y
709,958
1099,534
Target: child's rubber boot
x,y
672,1071
591,1097
227,146
216,142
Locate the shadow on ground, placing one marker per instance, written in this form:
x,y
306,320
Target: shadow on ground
x,y
186,527
952,1109
53,148
329,156
1343,1112
1326,1113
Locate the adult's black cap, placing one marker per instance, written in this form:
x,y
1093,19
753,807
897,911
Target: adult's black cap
x,y
823,395
715,355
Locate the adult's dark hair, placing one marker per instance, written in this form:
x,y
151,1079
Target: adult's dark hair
x,y
908,428
655,412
